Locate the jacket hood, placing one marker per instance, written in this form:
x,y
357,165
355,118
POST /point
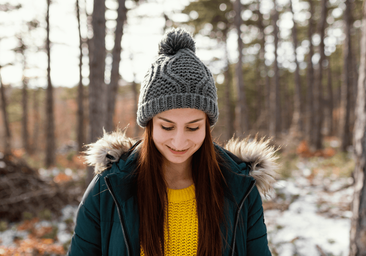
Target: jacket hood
x,y
258,153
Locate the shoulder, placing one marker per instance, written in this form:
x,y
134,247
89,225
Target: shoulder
x,y
97,191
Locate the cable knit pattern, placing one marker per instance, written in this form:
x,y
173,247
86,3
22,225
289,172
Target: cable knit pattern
x,y
177,79
181,225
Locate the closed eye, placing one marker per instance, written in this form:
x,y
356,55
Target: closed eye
x,y
171,128
167,128
192,129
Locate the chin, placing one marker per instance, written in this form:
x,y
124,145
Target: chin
x,y
176,161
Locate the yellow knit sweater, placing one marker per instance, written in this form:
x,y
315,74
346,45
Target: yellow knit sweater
x,y
181,225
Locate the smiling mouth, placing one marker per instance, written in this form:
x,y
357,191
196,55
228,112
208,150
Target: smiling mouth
x,y
180,151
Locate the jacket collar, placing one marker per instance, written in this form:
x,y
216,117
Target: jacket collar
x,y
248,157
235,172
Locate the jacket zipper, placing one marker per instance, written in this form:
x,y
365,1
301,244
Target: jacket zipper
x,y
119,214
238,214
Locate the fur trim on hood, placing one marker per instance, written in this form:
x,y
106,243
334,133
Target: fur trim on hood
x,y
257,152
262,158
107,150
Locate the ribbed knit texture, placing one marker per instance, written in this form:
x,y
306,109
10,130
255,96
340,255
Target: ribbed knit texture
x,y
177,79
181,229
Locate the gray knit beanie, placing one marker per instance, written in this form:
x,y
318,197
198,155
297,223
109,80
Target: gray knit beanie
x,y
177,79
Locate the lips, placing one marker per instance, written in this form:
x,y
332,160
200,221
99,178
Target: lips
x,y
177,152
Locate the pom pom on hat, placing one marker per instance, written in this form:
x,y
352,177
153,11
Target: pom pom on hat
x,y
174,40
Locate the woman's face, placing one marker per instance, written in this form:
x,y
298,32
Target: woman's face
x,y
179,133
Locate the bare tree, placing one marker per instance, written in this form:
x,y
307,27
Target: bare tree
x,y
80,112
7,7
358,222
50,122
135,102
7,140
329,108
318,90
113,86
25,133
354,62
296,121
264,114
229,128
275,115
310,78
346,90
36,118
22,47
135,96
89,38
97,68
241,106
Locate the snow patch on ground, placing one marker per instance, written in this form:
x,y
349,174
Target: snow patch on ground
x,y
64,224
317,219
7,237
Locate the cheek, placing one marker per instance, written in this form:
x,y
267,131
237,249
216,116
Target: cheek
x,y
199,137
160,136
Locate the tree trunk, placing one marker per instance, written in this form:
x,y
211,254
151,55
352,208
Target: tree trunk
x,y
90,54
318,90
229,127
330,102
80,112
275,116
89,39
296,121
286,107
310,79
346,133
7,140
50,126
266,110
358,222
135,105
113,86
241,106
260,93
96,85
353,64
36,118
257,110
25,133
337,103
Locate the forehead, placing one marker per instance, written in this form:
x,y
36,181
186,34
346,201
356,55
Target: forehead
x,y
181,115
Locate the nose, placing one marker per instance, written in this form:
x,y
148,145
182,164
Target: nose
x,y
179,140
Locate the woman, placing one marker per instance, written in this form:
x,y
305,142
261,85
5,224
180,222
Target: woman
x,y
175,192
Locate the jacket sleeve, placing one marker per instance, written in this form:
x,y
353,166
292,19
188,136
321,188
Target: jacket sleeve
x,y
257,243
87,235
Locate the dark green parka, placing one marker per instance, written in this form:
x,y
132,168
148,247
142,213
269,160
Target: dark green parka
x,y
107,221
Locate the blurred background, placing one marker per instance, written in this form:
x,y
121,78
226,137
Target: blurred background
x,y
284,69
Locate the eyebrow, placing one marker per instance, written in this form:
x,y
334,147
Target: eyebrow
x,y
191,122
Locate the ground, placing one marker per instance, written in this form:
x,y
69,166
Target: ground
x,y
317,218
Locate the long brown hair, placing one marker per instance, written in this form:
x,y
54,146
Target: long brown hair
x,y
152,196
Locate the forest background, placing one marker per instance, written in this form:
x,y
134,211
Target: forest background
x,y
286,69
